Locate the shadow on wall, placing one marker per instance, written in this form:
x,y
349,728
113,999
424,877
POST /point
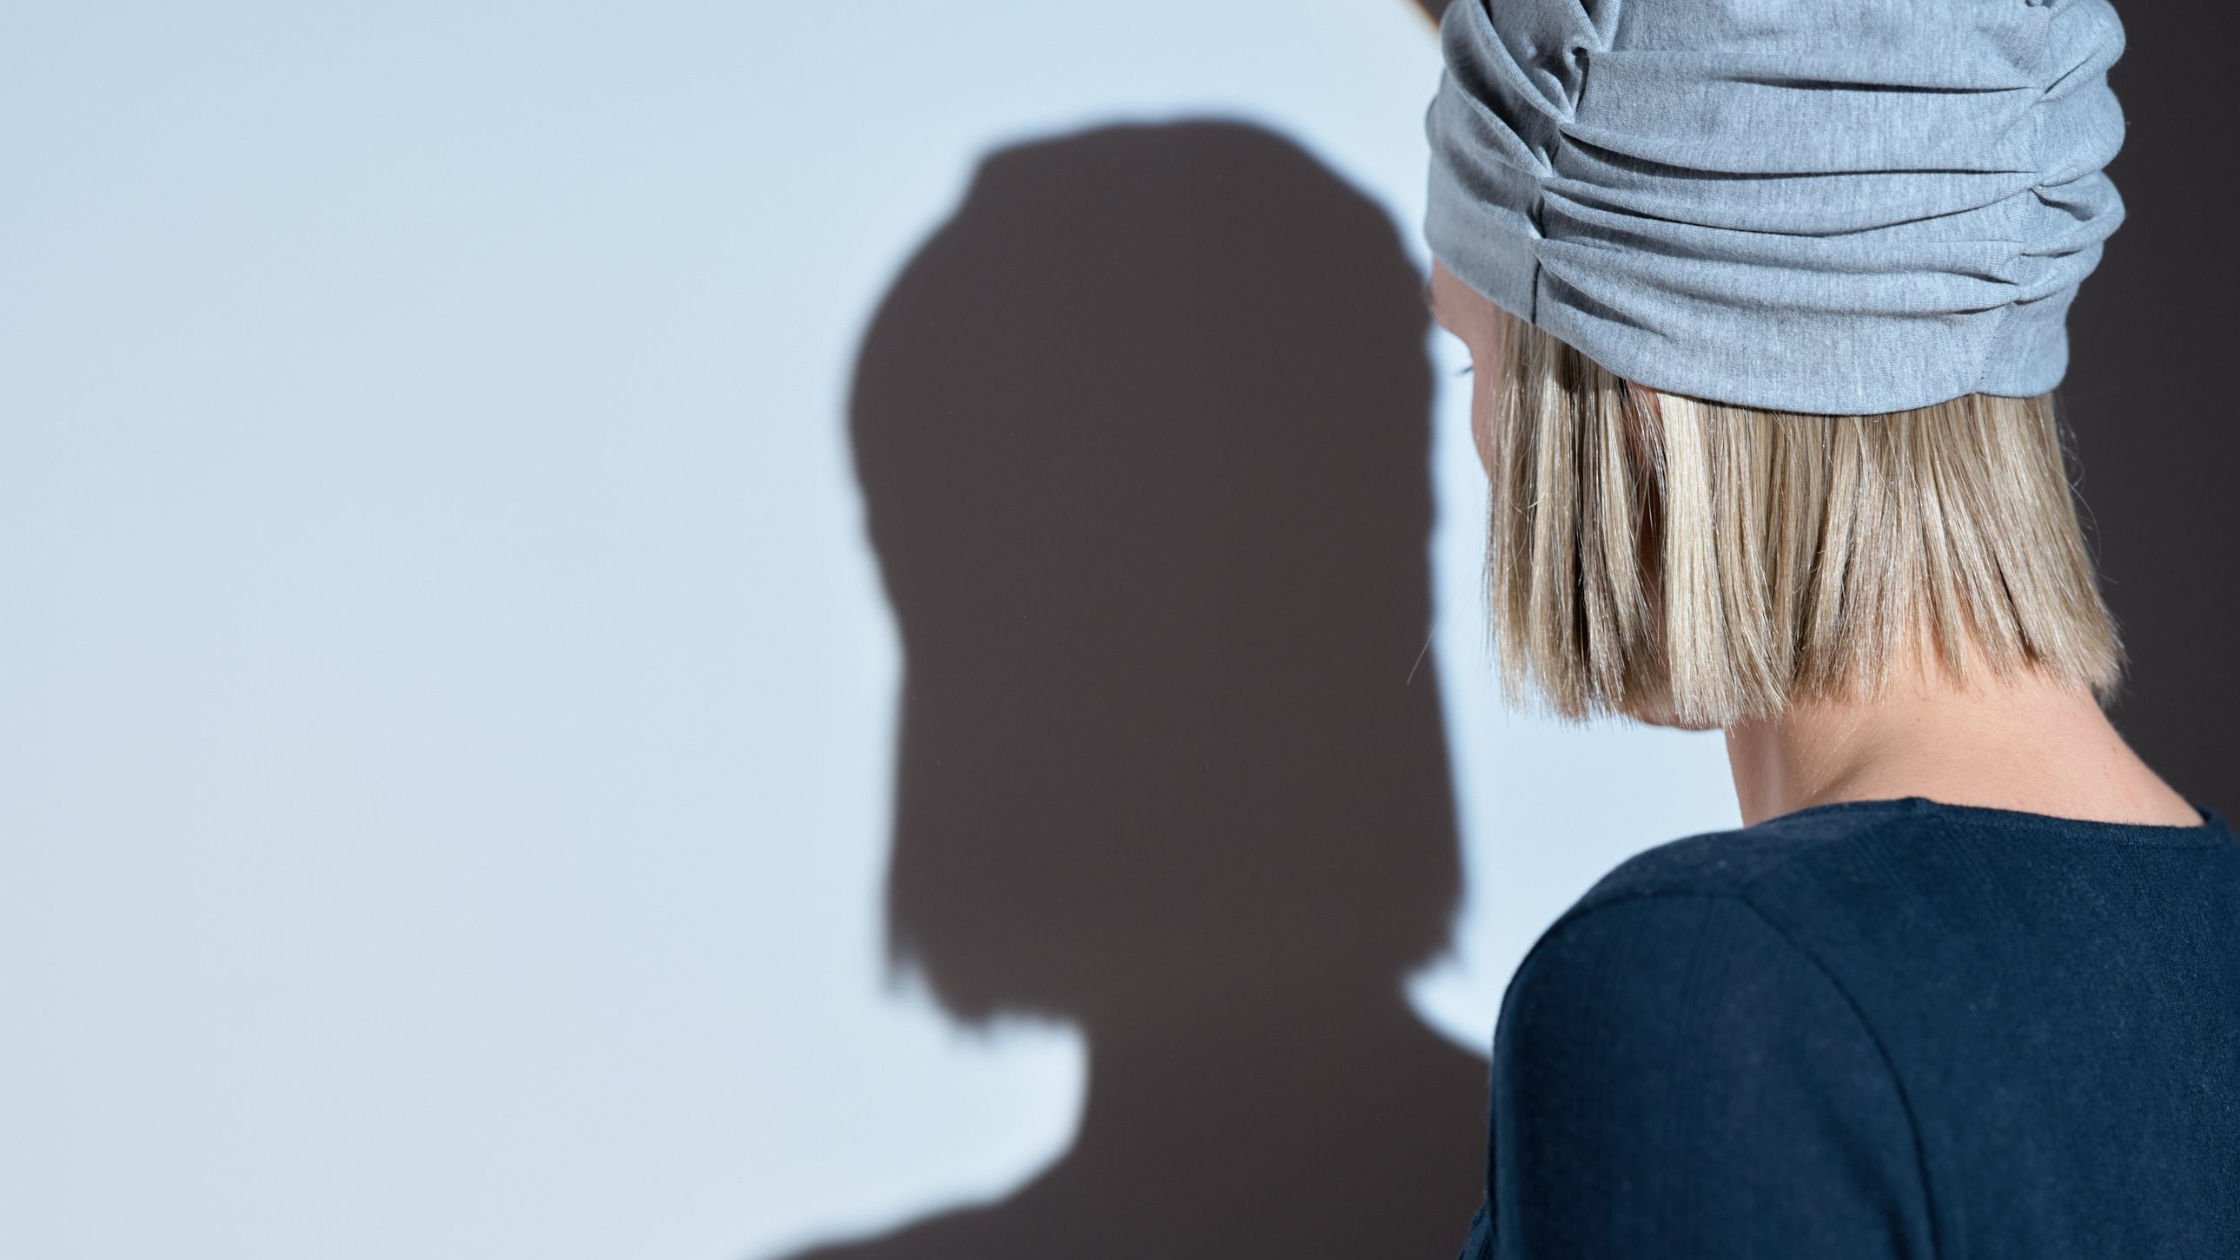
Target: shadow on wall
x,y
1144,436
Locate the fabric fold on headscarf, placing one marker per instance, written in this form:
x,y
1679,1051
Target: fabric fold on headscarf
x,y
1791,204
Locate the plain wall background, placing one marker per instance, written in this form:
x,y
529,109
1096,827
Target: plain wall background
x,y
449,705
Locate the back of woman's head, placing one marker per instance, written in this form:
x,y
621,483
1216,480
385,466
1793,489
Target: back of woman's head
x,y
1840,242
1693,562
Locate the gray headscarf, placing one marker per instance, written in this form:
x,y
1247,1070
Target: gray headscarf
x,y
1793,204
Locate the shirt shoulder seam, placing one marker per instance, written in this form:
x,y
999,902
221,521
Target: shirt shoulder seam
x,y
1881,1050
1740,897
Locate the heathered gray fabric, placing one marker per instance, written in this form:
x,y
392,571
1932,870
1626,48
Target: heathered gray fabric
x,y
1794,204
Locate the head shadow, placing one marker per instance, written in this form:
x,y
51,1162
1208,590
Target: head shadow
x,y
1143,434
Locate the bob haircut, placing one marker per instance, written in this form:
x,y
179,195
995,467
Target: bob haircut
x,y
1700,563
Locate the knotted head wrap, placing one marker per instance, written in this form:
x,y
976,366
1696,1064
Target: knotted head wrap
x,y
1831,206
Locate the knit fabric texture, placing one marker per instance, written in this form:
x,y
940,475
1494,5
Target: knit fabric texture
x,y
1880,1030
1801,205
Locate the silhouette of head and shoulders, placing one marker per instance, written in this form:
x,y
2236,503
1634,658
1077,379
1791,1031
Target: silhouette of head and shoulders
x,y
1143,435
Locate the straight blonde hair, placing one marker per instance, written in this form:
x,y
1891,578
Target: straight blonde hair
x,y
1700,563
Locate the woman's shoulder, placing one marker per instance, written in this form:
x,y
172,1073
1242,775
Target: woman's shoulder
x,y
1872,895
1717,919
1739,862
1676,1071
1779,887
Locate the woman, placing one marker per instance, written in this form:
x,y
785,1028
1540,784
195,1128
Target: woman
x,y
1766,304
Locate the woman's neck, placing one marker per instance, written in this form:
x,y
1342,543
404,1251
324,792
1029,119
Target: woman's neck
x,y
2028,743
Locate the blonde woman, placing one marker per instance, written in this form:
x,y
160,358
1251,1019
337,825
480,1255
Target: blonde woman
x,y
1765,305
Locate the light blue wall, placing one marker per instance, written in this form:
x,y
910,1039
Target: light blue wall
x,y
445,695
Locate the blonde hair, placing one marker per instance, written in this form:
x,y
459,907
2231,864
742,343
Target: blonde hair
x,y
1657,555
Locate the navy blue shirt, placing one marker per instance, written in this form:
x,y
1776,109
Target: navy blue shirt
x,y
1880,1029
